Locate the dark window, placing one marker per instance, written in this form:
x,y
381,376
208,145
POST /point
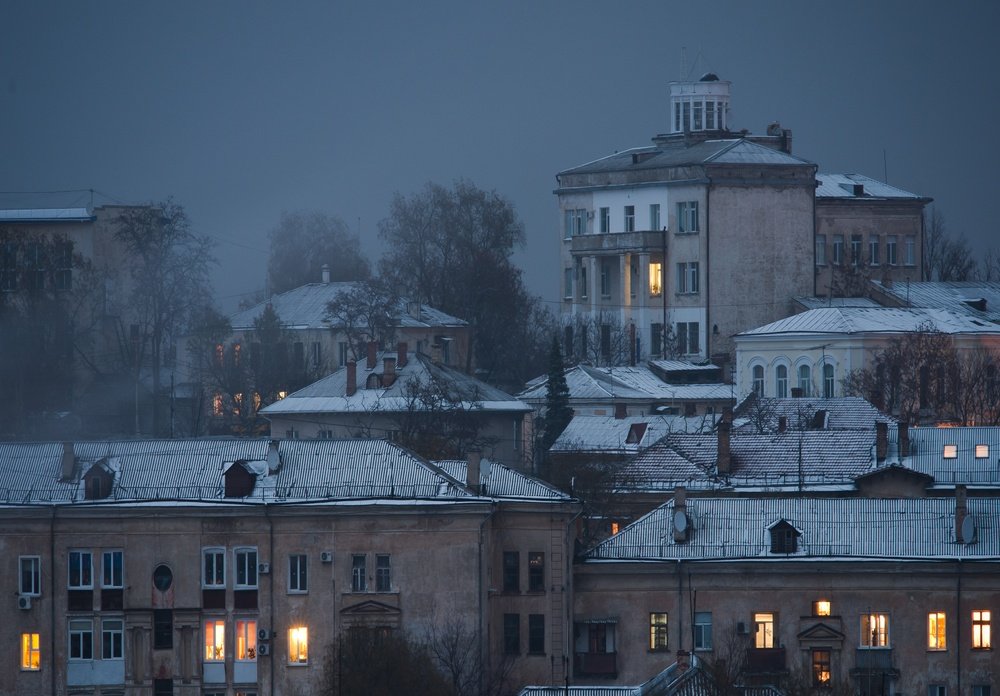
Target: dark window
x,y
163,578
383,573
656,338
298,355
511,571
536,571
163,687
359,573
784,538
512,634
163,629
606,342
567,341
536,634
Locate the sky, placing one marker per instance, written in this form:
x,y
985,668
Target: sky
x,y
242,110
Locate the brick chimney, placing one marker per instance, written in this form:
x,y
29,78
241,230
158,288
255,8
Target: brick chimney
x,y
621,410
903,429
796,392
372,348
782,423
388,371
961,512
881,441
401,354
723,457
68,468
326,273
352,378
474,458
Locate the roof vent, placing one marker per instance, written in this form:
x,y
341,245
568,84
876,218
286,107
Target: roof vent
x,y
640,157
859,189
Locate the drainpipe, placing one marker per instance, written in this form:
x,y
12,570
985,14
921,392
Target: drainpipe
x,y
483,644
270,561
708,271
680,604
958,626
52,608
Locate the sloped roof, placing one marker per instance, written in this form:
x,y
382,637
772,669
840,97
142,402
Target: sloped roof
x,y
501,481
927,455
979,299
329,394
841,413
872,528
881,320
46,215
842,186
304,307
827,302
587,383
609,434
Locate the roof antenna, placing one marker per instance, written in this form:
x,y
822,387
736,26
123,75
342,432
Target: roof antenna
x,y
885,171
683,62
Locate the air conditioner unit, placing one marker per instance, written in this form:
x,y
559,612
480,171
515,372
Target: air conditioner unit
x,y
326,557
264,634
24,602
263,568
741,628
264,649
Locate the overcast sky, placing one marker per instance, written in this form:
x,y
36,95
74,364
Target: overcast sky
x,y
240,110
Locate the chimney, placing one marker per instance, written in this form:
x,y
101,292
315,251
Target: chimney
x,y
388,371
903,430
472,469
401,354
436,353
782,423
881,441
352,378
372,347
621,410
961,512
723,459
326,273
413,309
796,392
680,521
68,468
273,457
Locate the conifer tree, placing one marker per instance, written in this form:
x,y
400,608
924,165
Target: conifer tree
x,y
557,409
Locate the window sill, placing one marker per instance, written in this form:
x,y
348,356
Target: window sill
x,y
692,233
535,592
658,650
298,593
535,654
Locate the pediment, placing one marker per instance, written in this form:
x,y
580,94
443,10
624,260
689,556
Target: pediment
x,y
821,632
370,607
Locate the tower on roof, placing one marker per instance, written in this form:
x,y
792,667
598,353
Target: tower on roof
x,y
701,105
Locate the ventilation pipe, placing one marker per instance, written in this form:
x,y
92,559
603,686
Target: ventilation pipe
x,y
961,513
621,410
904,439
723,457
68,467
782,423
881,441
352,378
326,273
472,470
388,371
401,354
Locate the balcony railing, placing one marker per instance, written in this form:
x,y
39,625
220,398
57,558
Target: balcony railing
x,y
596,664
766,660
873,659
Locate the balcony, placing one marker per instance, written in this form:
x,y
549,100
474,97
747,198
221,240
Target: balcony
x,y
645,242
766,660
595,665
869,661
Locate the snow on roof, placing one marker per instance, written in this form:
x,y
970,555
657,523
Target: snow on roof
x,y
980,299
636,382
827,302
839,413
329,394
976,460
609,434
501,481
46,215
873,528
304,307
842,186
881,320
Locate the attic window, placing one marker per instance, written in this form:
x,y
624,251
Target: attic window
x,y
784,538
635,433
239,480
374,381
951,451
97,483
982,451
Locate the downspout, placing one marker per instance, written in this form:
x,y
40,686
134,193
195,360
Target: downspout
x,y
958,627
708,271
680,605
270,561
52,607
483,651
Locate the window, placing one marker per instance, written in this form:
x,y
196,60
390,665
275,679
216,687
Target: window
x,y
217,409
316,353
80,571
512,634
654,216
112,644
536,571
687,217
31,652
856,242
575,222
325,434
687,278
821,607
605,220
758,380
763,630
342,354
890,249
630,218
214,568
34,267
8,267
298,573
873,249
875,630
606,342
112,570
605,278
246,640
828,381
64,266
781,382
703,630
359,573
163,629
583,282
936,690
536,634
820,249
511,571
298,645
656,338
784,538
246,569
980,690
568,284
936,639
298,355
981,639
687,337
805,379
215,640
982,451
81,639
655,278
30,575
658,631
950,451
822,675
383,573
838,249
910,250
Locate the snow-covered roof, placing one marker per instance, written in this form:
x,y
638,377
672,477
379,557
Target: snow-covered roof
x,y
881,320
500,481
329,394
827,302
587,383
305,308
736,528
842,186
46,215
975,460
979,299
587,433
840,413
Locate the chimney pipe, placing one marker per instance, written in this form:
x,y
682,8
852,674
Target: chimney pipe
x,y
474,458
680,520
372,347
961,512
388,371
881,441
401,354
782,423
621,410
903,429
723,459
68,467
436,353
352,378
326,273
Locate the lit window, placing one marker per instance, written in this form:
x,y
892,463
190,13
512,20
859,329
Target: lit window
x,y
31,653
30,582
982,451
383,573
359,573
703,630
298,573
246,640
246,569
214,568
658,631
80,570
655,278
536,571
763,630
215,640
217,404
81,640
821,672
821,607
112,569
950,451
112,639
615,528
875,630
282,395
936,631
298,645
981,639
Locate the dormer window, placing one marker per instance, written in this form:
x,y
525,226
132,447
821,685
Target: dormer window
x,y
374,381
784,538
635,433
239,480
98,482
982,451
951,451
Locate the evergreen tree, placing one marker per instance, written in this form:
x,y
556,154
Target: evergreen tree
x,y
557,409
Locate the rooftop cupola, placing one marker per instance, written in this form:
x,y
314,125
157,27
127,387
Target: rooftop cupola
x,y
701,105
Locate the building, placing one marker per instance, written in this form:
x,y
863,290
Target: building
x,y
224,566
977,299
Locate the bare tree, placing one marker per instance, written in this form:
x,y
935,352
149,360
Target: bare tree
x,y
946,258
377,661
369,311
459,652
302,243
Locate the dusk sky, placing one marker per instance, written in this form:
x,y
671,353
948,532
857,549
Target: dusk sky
x,y
240,110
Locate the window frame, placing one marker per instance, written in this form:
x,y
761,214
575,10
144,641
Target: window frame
x,y
34,572
829,380
982,629
820,250
298,573
781,381
655,283
115,583
80,631
703,630
874,249
757,380
81,585
511,634
688,218
246,567
654,217
937,631
605,220
891,257
359,572
629,218
245,629
877,637
383,572
764,629
821,669
536,634
31,651
216,627
298,646
536,571
218,555
108,636
658,631
511,572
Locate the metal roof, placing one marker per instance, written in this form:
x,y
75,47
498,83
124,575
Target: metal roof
x,y
842,528
329,394
881,320
46,215
839,413
980,299
500,481
970,466
842,186
305,308
827,302
609,434
638,382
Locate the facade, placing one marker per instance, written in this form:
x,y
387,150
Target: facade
x,y
221,566
674,235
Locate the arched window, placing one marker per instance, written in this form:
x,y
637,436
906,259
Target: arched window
x,y
781,381
828,381
758,380
804,379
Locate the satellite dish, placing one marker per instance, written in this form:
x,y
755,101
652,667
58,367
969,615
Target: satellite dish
x,y
968,529
680,521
